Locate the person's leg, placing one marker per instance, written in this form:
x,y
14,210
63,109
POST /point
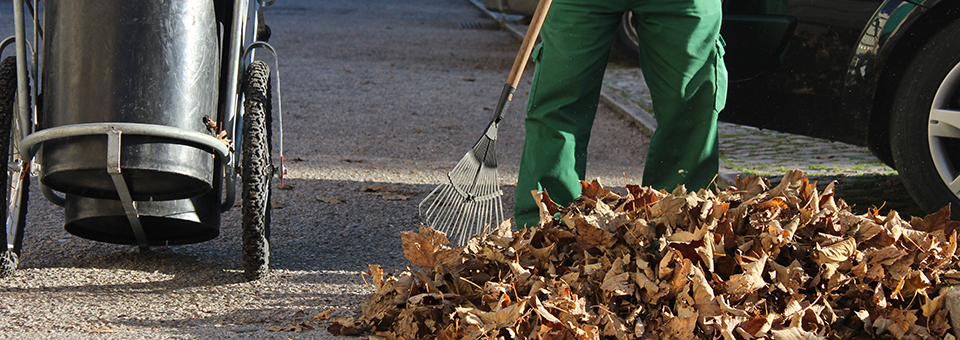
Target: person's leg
x,y
576,38
682,61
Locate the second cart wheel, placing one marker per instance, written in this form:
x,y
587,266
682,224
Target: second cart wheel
x,y
256,171
16,180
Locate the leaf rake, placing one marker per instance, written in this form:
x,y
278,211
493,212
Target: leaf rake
x,y
470,201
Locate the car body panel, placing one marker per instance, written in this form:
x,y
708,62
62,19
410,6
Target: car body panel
x,y
803,92
769,35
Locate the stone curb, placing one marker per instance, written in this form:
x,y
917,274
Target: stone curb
x,y
643,119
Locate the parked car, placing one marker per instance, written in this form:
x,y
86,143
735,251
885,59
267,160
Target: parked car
x,y
884,74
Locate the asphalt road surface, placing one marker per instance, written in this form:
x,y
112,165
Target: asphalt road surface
x,y
380,99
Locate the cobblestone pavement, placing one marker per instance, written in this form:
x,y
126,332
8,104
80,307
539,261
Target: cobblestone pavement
x,y
862,180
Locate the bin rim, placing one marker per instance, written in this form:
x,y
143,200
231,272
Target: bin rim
x,y
31,144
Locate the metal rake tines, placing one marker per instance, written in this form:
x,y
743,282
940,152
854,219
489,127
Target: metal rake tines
x,y
459,217
468,204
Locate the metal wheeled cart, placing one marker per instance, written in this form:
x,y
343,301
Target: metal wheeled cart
x,y
138,117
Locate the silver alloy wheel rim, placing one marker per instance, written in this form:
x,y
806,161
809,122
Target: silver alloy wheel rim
x,y
627,22
944,124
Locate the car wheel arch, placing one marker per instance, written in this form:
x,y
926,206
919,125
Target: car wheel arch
x,y
871,91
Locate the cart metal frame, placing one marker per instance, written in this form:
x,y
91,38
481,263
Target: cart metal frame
x,y
238,44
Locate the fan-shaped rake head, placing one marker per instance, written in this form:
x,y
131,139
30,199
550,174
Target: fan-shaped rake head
x,y
470,201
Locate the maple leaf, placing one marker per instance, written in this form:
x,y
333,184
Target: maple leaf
x,y
750,186
836,252
758,326
681,276
416,322
593,189
521,273
640,197
896,321
543,254
681,325
617,281
613,325
605,217
794,333
488,322
671,209
790,185
939,220
690,250
325,315
591,235
649,287
585,331
703,295
728,324
915,283
939,324
789,279
344,326
428,249
545,315
750,280
950,249
547,207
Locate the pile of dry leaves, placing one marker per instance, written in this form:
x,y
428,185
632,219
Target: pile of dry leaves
x,y
787,262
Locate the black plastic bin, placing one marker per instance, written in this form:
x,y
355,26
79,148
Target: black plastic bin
x,y
153,62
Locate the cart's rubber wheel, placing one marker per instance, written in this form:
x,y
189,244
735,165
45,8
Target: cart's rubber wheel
x,y
256,171
16,180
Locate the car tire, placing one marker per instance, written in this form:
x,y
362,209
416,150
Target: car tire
x,y
627,43
925,123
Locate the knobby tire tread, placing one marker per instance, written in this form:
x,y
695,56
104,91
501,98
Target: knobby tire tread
x,y
9,258
256,171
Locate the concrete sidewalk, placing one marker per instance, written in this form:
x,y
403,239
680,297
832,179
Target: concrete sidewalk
x,y
743,149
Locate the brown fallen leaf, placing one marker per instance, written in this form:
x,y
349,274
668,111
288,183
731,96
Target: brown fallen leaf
x,y
429,249
344,326
394,197
324,315
222,136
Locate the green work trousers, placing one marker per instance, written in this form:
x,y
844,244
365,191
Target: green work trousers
x,y
681,55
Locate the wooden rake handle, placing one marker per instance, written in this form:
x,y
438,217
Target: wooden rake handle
x,y
526,48
529,41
